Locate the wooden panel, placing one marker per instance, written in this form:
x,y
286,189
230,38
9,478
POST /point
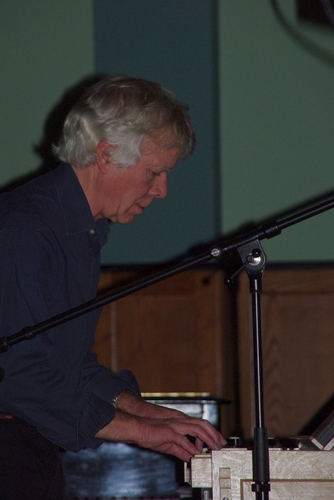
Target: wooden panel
x,y
169,334
298,348
180,335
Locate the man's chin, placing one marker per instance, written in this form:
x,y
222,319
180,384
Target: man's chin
x,y
126,220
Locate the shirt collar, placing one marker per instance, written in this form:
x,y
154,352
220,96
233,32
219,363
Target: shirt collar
x,y
77,214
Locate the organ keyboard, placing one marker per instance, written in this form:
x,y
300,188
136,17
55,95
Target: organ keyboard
x,y
294,474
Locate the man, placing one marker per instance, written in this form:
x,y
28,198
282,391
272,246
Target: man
x,y
119,143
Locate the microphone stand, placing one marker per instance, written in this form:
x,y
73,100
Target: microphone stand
x,y
254,260
253,257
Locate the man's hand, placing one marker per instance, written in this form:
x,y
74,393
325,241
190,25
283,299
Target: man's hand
x,y
170,436
159,429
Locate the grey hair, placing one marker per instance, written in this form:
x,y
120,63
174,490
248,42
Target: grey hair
x,y
124,111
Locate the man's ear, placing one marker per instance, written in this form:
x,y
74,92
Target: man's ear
x,y
103,159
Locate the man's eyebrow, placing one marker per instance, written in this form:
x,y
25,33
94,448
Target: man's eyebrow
x,y
165,169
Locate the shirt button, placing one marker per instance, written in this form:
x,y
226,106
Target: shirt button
x,y
92,231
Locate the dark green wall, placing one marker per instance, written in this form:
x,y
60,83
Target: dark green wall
x,y
174,43
277,123
46,47
275,108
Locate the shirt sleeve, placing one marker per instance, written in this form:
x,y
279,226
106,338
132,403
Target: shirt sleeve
x,y
51,381
104,383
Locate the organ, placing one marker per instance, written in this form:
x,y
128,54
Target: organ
x,y
295,474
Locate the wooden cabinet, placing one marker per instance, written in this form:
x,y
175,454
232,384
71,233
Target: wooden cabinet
x,y
298,349
173,335
190,333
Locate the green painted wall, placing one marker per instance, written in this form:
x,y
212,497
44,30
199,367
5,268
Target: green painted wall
x,y
46,47
276,107
180,52
277,125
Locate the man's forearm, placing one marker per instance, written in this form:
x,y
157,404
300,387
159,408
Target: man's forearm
x,y
123,428
130,403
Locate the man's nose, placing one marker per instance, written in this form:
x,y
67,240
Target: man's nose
x,y
160,186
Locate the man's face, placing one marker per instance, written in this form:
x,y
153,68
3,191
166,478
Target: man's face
x,y
126,192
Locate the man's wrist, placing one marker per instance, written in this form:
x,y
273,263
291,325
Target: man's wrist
x,y
116,402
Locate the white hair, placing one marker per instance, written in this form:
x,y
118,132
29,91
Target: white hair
x,y
124,111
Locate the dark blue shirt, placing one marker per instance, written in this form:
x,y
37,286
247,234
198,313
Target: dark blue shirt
x,y
50,262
